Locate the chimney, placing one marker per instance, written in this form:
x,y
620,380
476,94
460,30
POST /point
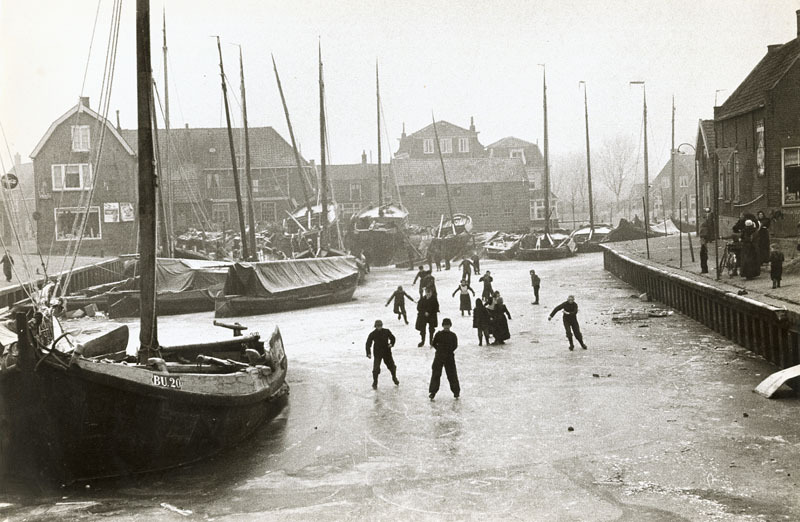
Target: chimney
x,y
363,157
119,127
85,101
472,124
773,47
403,135
186,125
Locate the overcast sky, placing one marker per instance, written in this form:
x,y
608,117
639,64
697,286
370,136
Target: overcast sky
x,y
459,58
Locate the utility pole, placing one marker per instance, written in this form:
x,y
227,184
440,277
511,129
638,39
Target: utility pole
x,y
672,162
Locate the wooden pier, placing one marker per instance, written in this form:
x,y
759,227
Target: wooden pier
x,y
769,330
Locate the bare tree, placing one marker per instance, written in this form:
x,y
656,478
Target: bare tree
x,y
569,182
617,158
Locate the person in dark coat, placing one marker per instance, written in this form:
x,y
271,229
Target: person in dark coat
x,y
383,340
535,283
570,318
7,263
435,254
476,263
500,316
775,265
762,234
429,284
465,304
445,342
399,297
421,274
480,321
487,285
466,270
750,266
427,316
706,234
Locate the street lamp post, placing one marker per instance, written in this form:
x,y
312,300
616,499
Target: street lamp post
x,y
696,186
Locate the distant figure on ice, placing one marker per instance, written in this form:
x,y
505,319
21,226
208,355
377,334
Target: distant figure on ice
x,y
465,303
775,265
480,321
383,341
535,282
7,262
445,342
570,318
498,319
421,274
363,257
466,270
399,297
434,255
476,263
487,285
427,316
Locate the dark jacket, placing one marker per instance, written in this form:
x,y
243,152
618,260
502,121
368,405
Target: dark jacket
x,y
776,264
445,343
535,281
382,339
567,307
399,297
430,306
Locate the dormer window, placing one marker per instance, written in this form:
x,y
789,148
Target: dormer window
x,y
518,153
80,138
463,144
427,146
446,144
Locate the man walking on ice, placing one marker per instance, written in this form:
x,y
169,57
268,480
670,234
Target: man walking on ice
x,y
383,341
570,318
445,342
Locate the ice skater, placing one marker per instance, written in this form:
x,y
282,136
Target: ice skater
x,y
421,274
535,283
399,298
465,305
480,321
570,318
445,342
487,285
427,316
383,340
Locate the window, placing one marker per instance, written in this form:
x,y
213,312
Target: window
x,y
71,220
736,178
791,176
707,195
538,209
220,213
255,186
518,153
267,212
355,191
483,213
429,191
427,146
508,212
463,144
446,144
348,209
72,177
80,138
723,192
683,181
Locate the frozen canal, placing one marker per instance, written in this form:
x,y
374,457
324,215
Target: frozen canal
x,y
664,425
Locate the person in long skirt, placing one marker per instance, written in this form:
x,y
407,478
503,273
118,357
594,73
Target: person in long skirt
x,y
762,244
501,316
465,304
399,298
750,265
427,316
480,321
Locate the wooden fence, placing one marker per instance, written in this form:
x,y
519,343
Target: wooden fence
x,y
83,277
769,331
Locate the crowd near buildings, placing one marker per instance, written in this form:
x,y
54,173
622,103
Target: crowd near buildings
x,y
746,158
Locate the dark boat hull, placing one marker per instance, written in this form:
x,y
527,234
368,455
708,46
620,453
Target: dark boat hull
x,y
381,247
94,420
126,303
543,254
239,305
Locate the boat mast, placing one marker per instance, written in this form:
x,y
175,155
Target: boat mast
x,y
236,187
251,236
646,205
672,163
588,162
148,335
161,216
170,216
378,109
294,144
546,160
323,179
444,175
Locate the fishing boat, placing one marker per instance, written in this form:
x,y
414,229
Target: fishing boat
x,y
588,238
278,286
545,247
503,247
79,412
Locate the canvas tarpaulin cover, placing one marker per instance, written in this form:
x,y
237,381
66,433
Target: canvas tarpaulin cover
x,y
275,277
179,275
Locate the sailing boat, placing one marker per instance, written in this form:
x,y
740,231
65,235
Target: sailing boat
x,y
73,412
380,232
545,246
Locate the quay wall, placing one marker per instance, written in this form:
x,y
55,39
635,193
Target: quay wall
x,y
767,330
90,275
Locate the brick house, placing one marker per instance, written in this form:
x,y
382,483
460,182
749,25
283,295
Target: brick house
x,y
456,142
68,171
493,191
661,189
19,203
355,186
757,134
706,162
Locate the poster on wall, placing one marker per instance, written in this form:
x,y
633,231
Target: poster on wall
x,y
126,210
760,148
111,212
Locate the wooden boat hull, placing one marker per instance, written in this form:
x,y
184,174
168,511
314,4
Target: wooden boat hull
x,y
543,254
126,303
239,305
382,247
103,419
